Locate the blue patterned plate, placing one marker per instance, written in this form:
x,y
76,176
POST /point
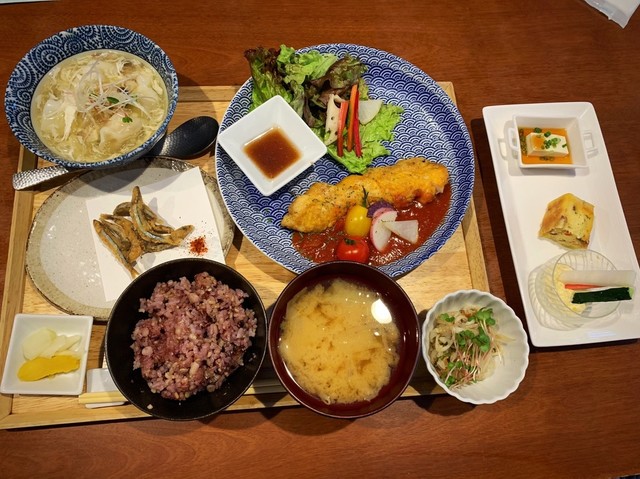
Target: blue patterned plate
x,y
49,52
431,127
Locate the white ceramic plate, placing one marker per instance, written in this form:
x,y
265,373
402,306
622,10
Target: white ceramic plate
x,y
61,257
68,384
524,195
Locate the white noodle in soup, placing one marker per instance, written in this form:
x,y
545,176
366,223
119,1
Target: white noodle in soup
x,y
339,341
98,105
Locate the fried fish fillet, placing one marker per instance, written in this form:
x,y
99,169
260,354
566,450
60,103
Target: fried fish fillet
x,y
408,180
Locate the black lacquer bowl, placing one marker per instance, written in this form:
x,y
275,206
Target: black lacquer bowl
x,y
124,316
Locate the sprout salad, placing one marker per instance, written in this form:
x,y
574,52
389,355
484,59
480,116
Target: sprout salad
x,y
464,345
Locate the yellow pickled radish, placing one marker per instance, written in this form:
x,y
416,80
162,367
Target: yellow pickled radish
x,y
40,367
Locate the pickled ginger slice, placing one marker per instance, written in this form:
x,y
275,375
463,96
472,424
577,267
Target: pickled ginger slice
x,y
40,368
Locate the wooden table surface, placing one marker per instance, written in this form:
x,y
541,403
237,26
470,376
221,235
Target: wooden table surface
x,y
577,412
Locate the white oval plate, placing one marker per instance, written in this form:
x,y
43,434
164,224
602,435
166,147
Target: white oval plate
x,y
61,258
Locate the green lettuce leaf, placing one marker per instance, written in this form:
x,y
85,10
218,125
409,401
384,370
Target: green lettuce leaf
x,y
306,81
267,80
300,67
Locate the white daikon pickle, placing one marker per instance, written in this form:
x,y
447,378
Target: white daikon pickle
x,y
37,342
56,345
46,343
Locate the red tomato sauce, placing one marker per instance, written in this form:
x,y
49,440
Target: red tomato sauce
x,y
321,247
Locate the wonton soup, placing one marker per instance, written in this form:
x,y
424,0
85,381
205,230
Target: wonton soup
x,y
339,341
97,105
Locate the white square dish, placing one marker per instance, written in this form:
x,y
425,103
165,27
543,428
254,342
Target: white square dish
x,y
272,114
577,140
67,384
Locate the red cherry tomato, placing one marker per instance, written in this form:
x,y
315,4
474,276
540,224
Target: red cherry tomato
x,y
353,249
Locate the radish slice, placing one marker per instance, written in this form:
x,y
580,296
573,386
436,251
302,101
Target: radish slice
x,y
382,210
378,205
599,277
407,229
379,233
367,110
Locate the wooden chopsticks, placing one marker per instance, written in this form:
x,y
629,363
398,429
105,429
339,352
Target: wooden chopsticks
x,y
260,386
101,397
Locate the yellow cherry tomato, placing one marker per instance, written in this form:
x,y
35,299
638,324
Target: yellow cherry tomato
x,y
357,223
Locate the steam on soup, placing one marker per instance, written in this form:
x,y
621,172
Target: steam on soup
x,y
98,105
339,341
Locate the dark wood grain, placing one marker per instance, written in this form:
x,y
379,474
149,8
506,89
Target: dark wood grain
x,y
576,414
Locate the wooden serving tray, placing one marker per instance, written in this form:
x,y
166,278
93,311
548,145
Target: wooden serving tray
x,y
458,265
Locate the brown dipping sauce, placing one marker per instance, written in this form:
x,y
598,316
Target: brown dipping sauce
x,y
272,152
321,247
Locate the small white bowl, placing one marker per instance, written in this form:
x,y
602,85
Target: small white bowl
x,y
577,140
67,384
508,372
274,113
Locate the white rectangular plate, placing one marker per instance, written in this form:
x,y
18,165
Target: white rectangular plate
x,y
524,195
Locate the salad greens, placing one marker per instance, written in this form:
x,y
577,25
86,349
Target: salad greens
x,y
308,82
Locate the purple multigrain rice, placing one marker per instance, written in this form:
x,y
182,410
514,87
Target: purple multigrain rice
x,y
194,338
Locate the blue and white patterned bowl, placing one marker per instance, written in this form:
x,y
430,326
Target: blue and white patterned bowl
x,y
51,51
430,127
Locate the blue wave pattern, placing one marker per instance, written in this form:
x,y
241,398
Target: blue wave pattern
x,y
51,51
431,127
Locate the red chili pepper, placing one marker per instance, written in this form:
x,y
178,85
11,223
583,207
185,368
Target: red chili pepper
x,y
356,132
344,107
580,286
352,116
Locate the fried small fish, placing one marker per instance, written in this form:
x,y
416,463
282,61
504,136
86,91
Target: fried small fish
x,y
134,229
112,241
150,227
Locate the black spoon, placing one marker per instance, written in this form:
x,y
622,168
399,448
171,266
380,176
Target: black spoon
x,y
189,140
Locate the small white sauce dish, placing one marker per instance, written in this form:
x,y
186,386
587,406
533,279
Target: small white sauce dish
x,y
580,142
67,384
274,113
509,370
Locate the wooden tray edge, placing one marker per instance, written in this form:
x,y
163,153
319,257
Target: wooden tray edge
x,y
14,291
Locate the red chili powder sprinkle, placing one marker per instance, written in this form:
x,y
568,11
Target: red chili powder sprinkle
x,y
198,245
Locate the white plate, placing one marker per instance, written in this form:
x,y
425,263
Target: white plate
x,y
524,195
61,255
68,384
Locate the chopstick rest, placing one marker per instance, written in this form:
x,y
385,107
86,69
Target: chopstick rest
x,y
101,390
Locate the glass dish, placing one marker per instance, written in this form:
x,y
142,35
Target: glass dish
x,y
550,298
